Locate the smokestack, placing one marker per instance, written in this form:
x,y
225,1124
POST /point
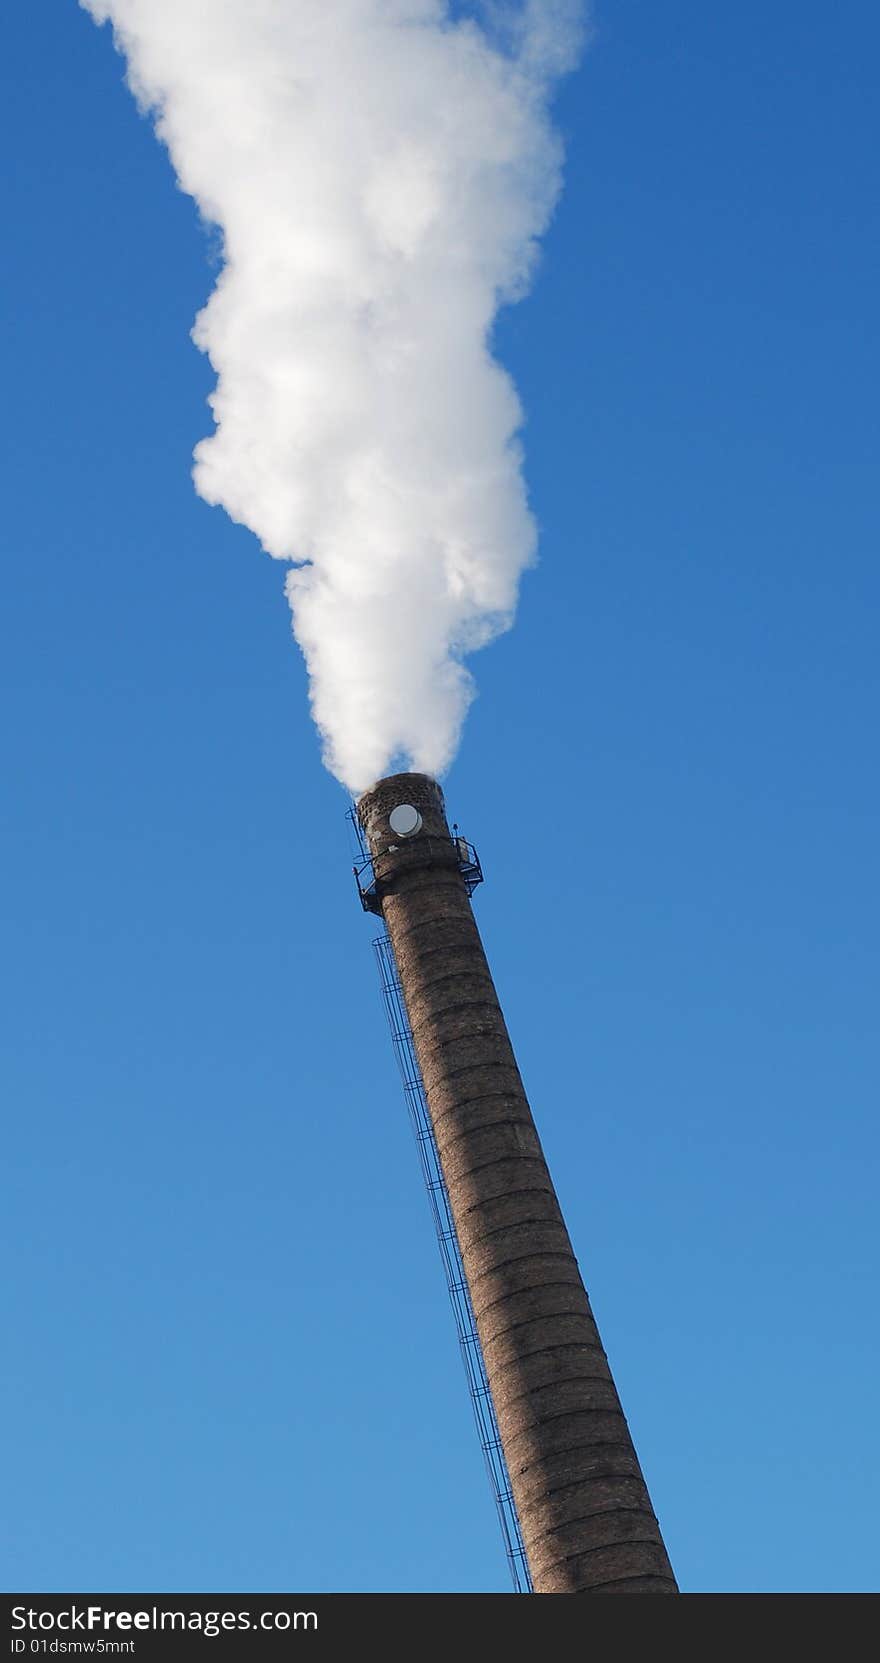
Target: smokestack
x,y
586,1518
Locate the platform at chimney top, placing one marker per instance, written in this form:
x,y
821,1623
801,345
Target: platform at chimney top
x,y
401,822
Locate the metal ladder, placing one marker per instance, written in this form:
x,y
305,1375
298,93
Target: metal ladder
x,y
468,1339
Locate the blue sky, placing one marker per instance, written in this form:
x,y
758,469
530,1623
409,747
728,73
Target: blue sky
x,y
231,1362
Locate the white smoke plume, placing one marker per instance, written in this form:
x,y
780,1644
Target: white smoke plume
x,y
380,172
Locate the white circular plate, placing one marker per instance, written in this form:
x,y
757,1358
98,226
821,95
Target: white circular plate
x,y
405,820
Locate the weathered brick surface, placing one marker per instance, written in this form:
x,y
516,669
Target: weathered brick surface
x,y
586,1517
544,1484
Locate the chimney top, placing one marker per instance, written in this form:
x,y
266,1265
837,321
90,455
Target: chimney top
x,y
402,807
